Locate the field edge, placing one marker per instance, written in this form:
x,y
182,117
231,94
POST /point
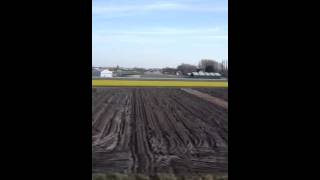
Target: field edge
x,y
149,83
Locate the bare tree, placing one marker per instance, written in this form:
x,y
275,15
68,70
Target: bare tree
x,y
224,70
168,70
186,68
209,65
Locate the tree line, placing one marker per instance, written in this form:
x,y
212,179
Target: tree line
x,y
205,65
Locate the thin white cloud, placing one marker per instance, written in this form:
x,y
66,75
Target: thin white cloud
x,y
160,35
165,31
159,6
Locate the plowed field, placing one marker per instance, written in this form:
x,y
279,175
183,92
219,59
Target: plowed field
x,y
154,130
221,93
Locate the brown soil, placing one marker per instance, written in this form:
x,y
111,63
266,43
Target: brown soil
x,y
207,97
157,130
221,93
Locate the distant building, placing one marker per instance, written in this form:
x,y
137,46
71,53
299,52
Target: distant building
x,y
95,72
125,72
169,71
206,75
153,72
106,73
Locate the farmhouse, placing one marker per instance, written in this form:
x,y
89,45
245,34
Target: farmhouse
x,y
106,73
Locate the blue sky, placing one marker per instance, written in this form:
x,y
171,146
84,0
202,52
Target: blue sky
x,y
150,34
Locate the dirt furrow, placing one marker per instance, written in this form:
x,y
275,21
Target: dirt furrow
x,y
154,130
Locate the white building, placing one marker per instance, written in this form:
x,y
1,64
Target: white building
x,y
106,73
202,74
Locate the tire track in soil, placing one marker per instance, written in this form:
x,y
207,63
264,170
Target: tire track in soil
x,y
154,130
207,97
218,92
111,133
